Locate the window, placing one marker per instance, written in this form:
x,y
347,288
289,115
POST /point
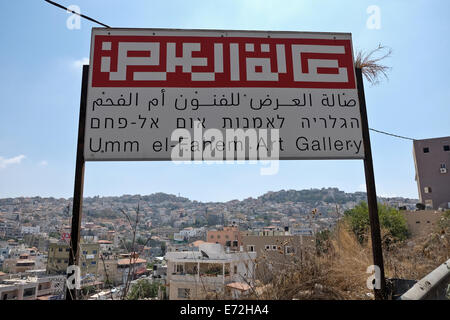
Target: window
x,y
267,247
85,252
427,189
59,261
443,166
94,251
226,236
93,262
211,236
274,247
60,249
426,150
235,269
251,248
228,243
218,236
183,292
29,292
447,148
289,250
417,221
235,243
179,268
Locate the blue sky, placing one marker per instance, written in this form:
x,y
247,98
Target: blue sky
x,y
41,78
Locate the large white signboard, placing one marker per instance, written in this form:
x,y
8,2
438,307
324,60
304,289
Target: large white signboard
x,y
153,94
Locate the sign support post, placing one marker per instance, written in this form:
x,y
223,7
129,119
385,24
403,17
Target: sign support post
x,y
77,214
380,293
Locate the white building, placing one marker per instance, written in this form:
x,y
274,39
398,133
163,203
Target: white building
x,y
32,288
32,230
192,274
190,232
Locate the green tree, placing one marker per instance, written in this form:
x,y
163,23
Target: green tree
x,y
54,235
143,289
390,219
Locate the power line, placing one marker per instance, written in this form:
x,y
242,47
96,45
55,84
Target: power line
x,y
105,25
391,134
78,14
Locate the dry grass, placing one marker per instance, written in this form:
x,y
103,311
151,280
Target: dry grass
x,y
337,274
340,273
414,259
339,270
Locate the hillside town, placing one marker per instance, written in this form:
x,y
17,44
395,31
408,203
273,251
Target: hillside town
x,y
170,235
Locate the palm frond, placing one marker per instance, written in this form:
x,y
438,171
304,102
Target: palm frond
x,y
369,63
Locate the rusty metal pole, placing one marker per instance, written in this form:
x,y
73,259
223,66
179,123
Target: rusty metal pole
x,y
377,251
77,212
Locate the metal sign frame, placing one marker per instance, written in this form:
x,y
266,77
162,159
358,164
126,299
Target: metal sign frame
x,y
380,293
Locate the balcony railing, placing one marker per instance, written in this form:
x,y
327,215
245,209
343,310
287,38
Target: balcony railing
x,y
203,278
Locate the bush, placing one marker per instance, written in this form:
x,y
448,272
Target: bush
x,y
143,289
390,219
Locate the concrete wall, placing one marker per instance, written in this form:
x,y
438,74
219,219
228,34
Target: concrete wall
x,y
421,222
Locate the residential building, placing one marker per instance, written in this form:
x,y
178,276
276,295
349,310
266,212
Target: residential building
x,y
108,272
24,263
40,241
30,229
194,274
106,247
275,243
274,247
33,288
229,237
432,163
133,267
58,258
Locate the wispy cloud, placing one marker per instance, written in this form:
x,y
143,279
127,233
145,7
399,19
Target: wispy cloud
x,y
4,162
78,64
43,163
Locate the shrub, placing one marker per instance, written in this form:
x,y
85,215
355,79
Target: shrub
x,y
143,289
390,219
